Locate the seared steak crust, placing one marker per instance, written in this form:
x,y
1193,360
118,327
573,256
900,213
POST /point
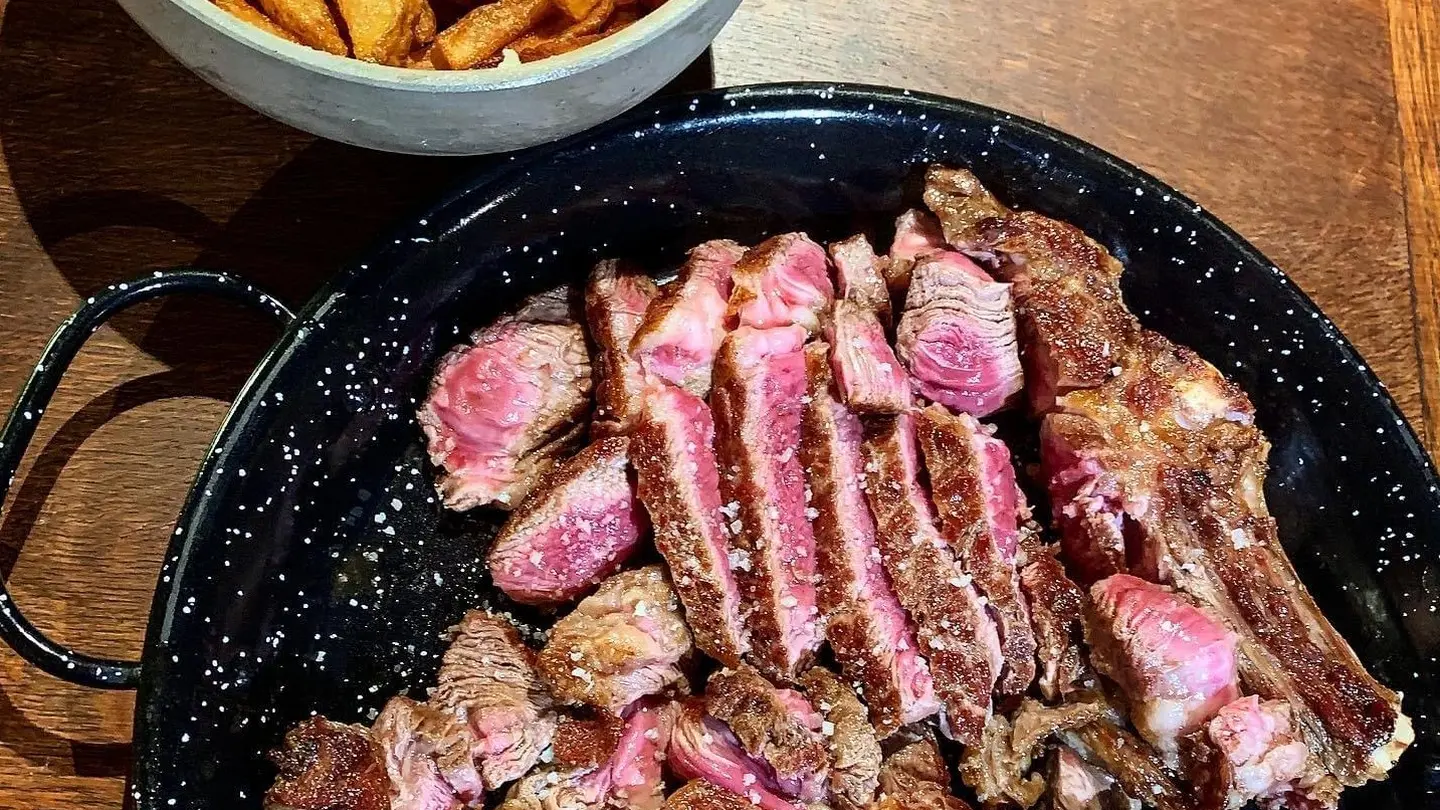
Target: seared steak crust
x,y
773,724
854,749
326,765
683,327
616,299
1057,612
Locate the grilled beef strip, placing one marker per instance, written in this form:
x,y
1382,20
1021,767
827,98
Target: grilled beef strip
x,y
683,326
782,281
1138,770
956,633
957,336
917,233
1057,613
1249,752
980,508
759,385
915,777
854,750
999,769
616,299
506,406
869,376
423,756
1077,785
582,522
702,747
325,765
699,794
859,277
1156,467
623,642
776,725
870,633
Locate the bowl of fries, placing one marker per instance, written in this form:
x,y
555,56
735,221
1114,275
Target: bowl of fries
x,y
452,77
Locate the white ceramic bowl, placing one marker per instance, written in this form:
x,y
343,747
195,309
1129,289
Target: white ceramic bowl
x,y
464,112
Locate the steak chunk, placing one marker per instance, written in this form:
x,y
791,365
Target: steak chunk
x,y
870,633
955,632
1175,665
702,747
1138,770
616,299
698,794
673,451
870,378
1057,612
915,777
1249,752
782,281
759,384
854,750
504,408
488,691
917,233
957,336
778,726
326,765
1077,785
858,277
579,526
980,509
621,643
408,734
683,327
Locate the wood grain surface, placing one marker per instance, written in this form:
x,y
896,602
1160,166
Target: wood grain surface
x,y
1280,117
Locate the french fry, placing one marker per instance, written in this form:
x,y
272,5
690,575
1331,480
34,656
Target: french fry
x,y
254,16
485,31
576,9
424,22
534,46
559,45
380,30
310,21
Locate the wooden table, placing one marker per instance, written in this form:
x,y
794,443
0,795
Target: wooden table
x,y
1311,126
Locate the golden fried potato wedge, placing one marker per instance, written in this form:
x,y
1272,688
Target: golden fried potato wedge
x,y
485,31
254,16
310,21
576,9
381,31
424,22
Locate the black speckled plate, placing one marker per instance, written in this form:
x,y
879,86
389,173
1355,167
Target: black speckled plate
x,y
314,570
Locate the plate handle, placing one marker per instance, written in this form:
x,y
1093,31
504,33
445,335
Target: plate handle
x,y
15,629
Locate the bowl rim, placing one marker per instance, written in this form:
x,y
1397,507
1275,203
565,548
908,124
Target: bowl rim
x,y
652,26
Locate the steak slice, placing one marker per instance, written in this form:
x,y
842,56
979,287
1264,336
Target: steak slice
x,y
956,634
621,643
325,765
1077,785
616,299
502,409
858,277
870,377
673,452
980,509
778,726
406,730
999,769
1138,770
1057,613
579,526
759,384
782,281
1174,664
1156,467
702,747
854,750
871,635
916,234
699,794
957,336
488,691
1249,751
683,327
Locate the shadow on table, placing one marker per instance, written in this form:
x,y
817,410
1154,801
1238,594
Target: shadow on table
x,y
123,162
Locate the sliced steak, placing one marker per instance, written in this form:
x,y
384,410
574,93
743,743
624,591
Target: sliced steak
x,y
870,377
759,384
408,737
957,336
870,633
702,747
854,749
1138,770
678,478
961,205
699,794
488,686
782,281
621,643
980,509
683,327
916,234
913,764
1000,768
778,726
554,788
1174,664
1057,613
582,522
955,632
1155,466
1077,785
859,278
504,408
325,765
587,739
1250,752
616,299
